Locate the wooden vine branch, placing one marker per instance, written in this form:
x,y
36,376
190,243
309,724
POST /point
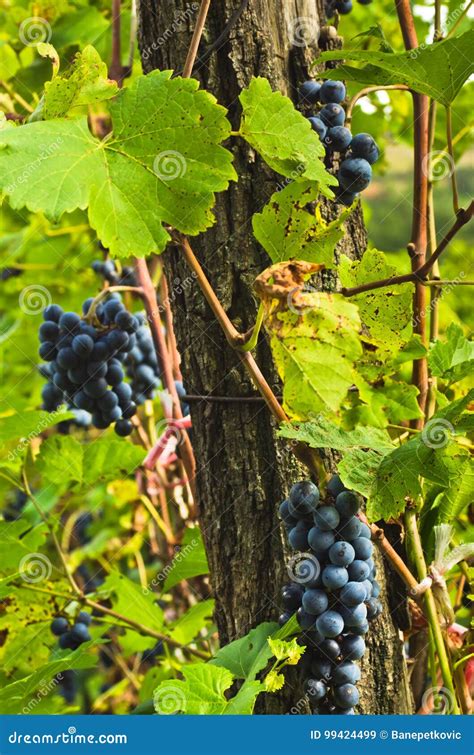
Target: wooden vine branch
x,y
368,90
419,275
196,38
156,327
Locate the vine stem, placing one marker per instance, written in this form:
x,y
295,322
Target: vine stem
x,y
368,90
196,38
148,294
449,140
89,317
143,629
430,607
419,232
417,276
77,590
305,454
398,564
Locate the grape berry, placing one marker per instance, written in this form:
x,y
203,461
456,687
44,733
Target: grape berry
x,y
360,151
71,637
334,609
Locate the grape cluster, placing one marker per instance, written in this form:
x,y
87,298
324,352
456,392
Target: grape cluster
x,y
109,272
334,593
85,362
142,365
360,151
71,637
343,7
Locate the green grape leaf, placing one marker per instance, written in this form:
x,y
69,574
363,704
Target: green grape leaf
x,y
85,83
358,468
19,541
60,460
28,424
438,70
17,697
188,626
386,311
282,136
322,433
290,227
203,693
453,501
248,655
397,479
190,561
9,61
452,359
83,26
129,599
162,165
392,402
315,342
108,458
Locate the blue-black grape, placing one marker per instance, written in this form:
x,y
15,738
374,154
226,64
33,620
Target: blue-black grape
x,y
341,553
326,518
332,91
315,601
354,174
334,577
333,595
330,624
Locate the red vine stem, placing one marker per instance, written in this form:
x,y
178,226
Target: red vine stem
x,y
419,232
196,38
417,276
154,319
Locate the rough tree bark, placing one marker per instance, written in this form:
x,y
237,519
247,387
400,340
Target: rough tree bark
x,y
243,470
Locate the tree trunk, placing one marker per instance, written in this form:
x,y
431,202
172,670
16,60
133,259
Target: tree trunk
x,y
243,471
